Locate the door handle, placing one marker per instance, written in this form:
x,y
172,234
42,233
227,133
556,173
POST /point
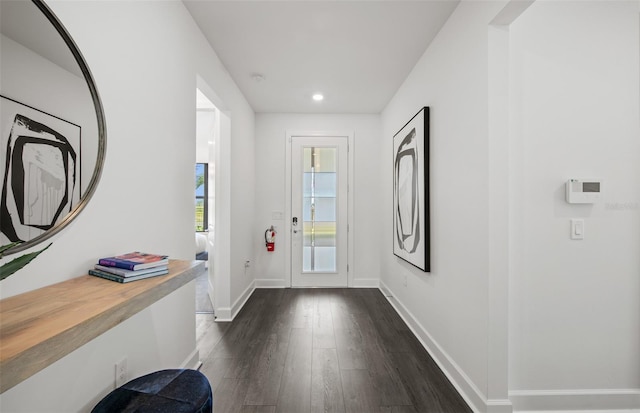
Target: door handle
x,y
294,224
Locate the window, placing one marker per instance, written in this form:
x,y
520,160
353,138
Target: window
x,y
202,185
319,191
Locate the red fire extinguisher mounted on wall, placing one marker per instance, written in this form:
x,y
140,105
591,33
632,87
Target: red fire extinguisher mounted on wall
x,y
270,239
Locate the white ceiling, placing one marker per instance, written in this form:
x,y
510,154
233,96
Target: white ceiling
x,y
356,53
24,23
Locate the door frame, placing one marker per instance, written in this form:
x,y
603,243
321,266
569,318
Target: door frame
x,y
349,135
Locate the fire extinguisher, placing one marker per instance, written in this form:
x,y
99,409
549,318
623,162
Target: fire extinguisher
x,y
270,238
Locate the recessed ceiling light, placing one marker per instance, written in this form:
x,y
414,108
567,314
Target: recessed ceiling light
x,y
318,97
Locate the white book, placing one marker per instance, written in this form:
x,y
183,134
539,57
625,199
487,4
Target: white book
x,y
130,273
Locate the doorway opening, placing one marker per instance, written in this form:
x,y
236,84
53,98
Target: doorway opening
x,y
207,133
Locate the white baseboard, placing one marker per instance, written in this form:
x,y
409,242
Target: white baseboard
x,y
223,314
499,406
467,389
592,400
210,290
192,361
366,283
270,283
227,314
280,283
385,291
241,301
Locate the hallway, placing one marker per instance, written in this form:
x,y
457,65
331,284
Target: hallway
x,y
320,350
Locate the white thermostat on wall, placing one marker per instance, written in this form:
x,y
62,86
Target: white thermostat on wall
x,y
583,191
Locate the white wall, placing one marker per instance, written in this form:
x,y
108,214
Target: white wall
x,y
242,191
574,327
270,190
575,308
235,189
145,57
205,129
449,307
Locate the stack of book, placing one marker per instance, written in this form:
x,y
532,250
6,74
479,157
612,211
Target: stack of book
x,y
131,267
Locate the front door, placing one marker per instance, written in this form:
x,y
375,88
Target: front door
x,y
319,211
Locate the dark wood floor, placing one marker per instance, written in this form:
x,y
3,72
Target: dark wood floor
x,y
321,350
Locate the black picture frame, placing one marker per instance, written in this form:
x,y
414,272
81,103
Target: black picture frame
x,y
411,217
40,164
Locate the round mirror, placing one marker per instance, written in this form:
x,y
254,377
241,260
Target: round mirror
x,y
52,128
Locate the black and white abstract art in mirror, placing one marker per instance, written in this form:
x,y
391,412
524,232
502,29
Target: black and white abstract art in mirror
x,y
411,238
52,126
40,161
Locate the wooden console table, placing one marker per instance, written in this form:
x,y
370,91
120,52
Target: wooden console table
x,y
40,327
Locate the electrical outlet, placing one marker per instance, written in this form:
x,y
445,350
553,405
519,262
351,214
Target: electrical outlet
x,y
121,372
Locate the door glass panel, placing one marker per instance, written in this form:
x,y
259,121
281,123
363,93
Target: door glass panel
x,y
325,209
319,234
319,210
324,186
325,259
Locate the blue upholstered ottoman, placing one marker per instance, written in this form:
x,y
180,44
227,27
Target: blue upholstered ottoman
x,y
165,391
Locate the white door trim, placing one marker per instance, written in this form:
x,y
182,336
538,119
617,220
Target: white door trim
x,y
349,135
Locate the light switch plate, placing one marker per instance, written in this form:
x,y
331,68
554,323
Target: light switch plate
x,y
577,228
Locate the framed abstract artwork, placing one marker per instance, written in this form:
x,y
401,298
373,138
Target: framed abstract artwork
x,y
411,230
40,170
